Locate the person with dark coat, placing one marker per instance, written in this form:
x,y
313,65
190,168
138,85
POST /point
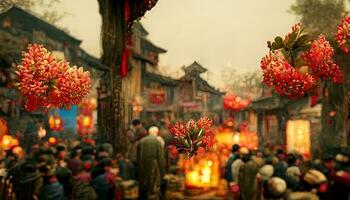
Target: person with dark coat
x,y
104,182
81,188
52,189
151,167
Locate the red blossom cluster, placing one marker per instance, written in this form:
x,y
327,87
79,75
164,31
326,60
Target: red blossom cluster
x,y
286,79
193,135
343,35
319,59
294,65
48,82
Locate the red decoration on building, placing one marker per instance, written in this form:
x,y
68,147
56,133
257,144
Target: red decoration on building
x,y
157,96
234,103
125,56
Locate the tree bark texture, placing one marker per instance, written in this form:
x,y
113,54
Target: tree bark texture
x,y
113,40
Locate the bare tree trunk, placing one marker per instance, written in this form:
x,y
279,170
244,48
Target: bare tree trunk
x,y
113,37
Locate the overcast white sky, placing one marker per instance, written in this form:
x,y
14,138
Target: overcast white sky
x,y
219,34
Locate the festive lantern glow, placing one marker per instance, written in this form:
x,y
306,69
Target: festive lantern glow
x,y
232,102
47,82
3,127
6,140
286,70
9,142
41,132
56,123
236,138
52,140
298,136
85,124
202,172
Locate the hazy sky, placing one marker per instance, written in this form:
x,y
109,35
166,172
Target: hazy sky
x,y
219,34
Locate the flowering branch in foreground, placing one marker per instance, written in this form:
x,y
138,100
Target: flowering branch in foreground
x,y
48,82
297,63
193,135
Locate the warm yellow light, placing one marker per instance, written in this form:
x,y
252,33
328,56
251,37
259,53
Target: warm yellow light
x,y
52,140
41,132
192,178
86,121
236,138
206,172
298,136
6,141
57,121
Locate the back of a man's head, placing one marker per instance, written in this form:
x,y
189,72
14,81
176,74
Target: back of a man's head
x,y
136,122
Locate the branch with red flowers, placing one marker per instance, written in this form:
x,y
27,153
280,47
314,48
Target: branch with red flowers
x,y
343,35
47,82
298,63
193,135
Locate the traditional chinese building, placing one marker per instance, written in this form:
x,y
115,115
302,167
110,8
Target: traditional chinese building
x,y
196,96
147,94
18,28
292,124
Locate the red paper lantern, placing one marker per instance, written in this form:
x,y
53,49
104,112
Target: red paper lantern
x,y
56,123
85,124
232,102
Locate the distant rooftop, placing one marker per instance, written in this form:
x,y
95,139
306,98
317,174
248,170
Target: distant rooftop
x,y
194,68
28,21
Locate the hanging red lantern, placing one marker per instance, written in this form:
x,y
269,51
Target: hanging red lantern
x,y
232,102
85,124
56,123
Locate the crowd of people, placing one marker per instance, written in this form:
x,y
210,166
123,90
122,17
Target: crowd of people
x,y
277,175
76,170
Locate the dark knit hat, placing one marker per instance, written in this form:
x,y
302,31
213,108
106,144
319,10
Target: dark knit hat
x,y
75,165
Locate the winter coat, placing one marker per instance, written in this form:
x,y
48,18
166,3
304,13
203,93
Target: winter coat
x,y
104,187
236,165
247,181
52,191
82,191
151,166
